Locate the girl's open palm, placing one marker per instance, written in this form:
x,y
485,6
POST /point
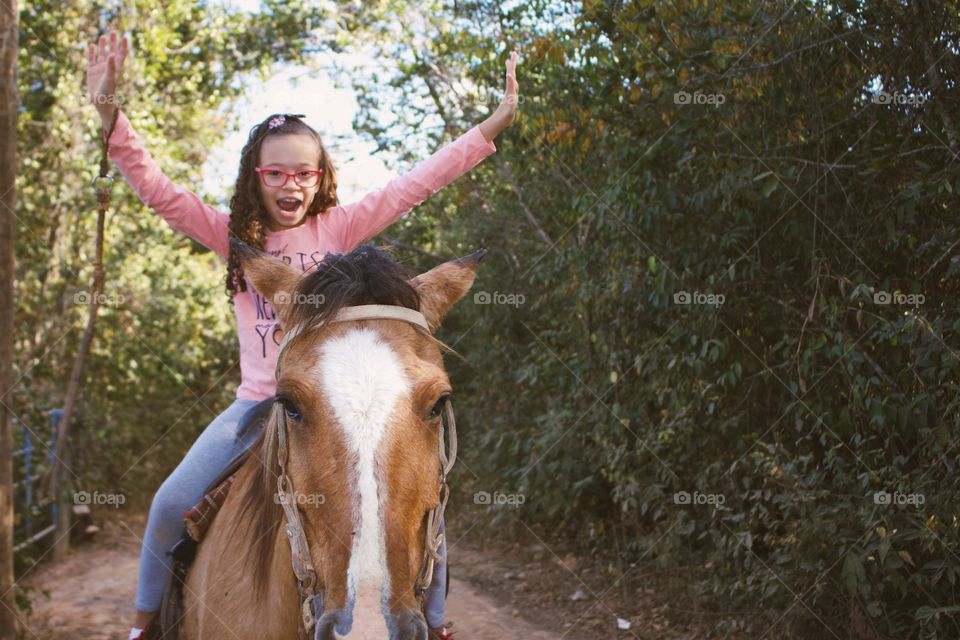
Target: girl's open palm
x,y
508,106
104,63
507,109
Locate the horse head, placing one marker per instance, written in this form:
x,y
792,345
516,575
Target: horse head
x,y
361,403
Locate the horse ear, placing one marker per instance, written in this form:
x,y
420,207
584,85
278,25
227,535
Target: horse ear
x,y
444,286
271,276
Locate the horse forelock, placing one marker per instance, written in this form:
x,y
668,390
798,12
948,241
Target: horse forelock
x,y
366,275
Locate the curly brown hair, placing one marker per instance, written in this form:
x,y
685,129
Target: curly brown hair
x,y
248,220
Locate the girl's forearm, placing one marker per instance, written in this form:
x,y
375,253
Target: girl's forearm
x,y
500,119
491,127
106,112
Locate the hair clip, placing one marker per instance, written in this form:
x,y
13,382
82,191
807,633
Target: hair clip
x,y
276,121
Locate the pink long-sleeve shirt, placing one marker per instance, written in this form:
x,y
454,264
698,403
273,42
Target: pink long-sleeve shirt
x,y
339,229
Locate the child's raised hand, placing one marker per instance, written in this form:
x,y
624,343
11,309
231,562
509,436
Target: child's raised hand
x,y
507,110
104,63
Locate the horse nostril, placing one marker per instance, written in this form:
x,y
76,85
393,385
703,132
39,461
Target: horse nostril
x,y
410,626
333,621
324,630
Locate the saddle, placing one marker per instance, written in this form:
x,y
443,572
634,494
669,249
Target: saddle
x,y
197,521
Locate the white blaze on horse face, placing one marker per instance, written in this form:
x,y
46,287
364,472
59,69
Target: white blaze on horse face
x,y
362,378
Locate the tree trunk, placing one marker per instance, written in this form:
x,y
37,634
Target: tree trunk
x,y
9,103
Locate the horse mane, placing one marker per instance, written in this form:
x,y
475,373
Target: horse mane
x,y
366,275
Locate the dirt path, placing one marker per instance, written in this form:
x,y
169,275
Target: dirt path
x,y
519,589
91,594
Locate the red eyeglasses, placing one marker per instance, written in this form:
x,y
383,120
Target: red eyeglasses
x,y
275,178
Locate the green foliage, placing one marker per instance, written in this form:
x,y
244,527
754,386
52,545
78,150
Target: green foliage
x,y
728,149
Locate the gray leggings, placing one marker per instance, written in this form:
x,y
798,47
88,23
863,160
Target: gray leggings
x,y
208,458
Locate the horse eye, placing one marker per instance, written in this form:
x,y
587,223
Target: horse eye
x,y
291,410
437,409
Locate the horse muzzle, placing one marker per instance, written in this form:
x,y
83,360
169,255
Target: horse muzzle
x,y
410,625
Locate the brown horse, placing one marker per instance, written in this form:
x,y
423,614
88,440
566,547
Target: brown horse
x,y
359,408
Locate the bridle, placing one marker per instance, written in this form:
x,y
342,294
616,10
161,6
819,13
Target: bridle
x,y
311,602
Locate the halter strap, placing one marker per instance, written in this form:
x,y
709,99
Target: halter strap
x,y
358,312
380,312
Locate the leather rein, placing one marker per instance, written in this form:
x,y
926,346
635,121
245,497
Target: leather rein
x,y
311,602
